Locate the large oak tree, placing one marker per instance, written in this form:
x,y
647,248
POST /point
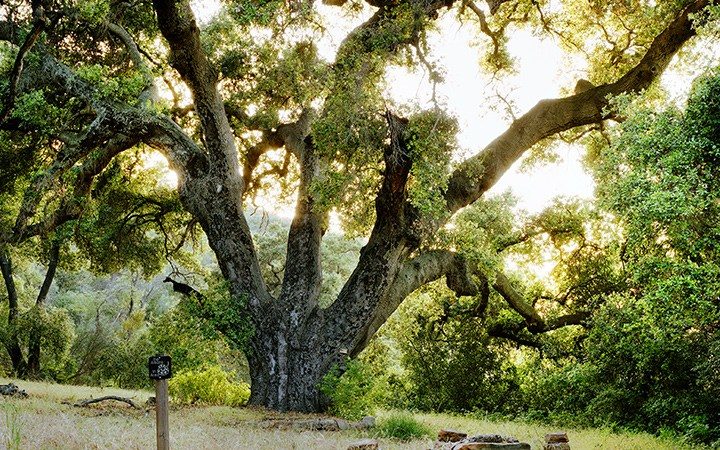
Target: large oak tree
x,y
264,106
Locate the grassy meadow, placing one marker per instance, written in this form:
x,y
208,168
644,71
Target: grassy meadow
x,y
43,421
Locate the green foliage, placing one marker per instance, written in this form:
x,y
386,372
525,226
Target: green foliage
x,y
131,223
666,189
94,11
55,330
450,363
403,426
431,141
610,33
356,392
351,129
125,363
120,321
296,74
16,160
224,312
481,231
257,13
209,385
638,372
646,362
56,333
188,339
34,109
194,335
125,88
659,180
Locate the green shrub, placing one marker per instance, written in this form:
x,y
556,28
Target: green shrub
x,y
451,364
402,426
209,385
355,393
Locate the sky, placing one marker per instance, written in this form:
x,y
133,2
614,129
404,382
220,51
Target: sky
x,y
543,70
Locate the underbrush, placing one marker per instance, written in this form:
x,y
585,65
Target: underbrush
x,y
209,385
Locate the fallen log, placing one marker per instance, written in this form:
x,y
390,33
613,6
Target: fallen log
x,y
90,401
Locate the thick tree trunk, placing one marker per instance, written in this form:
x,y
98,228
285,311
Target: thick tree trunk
x,y
286,378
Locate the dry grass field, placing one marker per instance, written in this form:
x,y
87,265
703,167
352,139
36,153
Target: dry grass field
x,y
43,421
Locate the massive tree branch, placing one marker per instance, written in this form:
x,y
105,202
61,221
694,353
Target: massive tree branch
x,y
350,317
346,322
533,320
291,135
302,266
356,61
423,269
479,173
503,286
178,26
213,195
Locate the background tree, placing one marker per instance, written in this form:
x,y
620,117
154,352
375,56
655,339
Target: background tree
x,y
651,356
265,104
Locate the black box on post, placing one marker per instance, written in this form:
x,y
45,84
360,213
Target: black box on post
x,y
160,367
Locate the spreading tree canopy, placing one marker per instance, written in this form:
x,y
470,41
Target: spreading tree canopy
x,y
246,105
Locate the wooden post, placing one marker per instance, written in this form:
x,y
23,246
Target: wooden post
x,y
160,369
161,415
